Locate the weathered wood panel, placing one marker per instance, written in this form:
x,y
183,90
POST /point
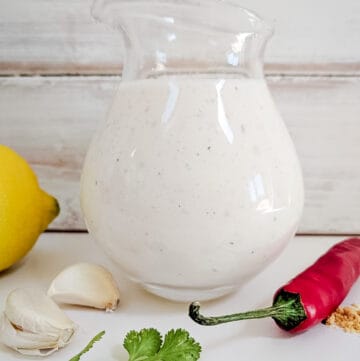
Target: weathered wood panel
x,y
60,37
50,121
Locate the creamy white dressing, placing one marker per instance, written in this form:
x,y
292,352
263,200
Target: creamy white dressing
x,y
192,186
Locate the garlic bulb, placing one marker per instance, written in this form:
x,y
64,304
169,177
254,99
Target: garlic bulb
x,y
85,284
33,324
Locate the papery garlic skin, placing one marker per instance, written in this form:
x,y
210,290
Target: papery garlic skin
x,y
33,324
23,305
85,284
28,343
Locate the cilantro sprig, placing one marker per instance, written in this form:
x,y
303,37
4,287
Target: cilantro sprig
x,y
89,346
147,345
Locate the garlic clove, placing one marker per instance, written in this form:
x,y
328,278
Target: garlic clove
x,y
27,343
33,324
85,284
33,311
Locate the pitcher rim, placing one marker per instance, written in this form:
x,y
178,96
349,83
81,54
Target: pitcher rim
x,y
259,25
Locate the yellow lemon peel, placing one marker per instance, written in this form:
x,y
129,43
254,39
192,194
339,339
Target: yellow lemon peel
x,y
25,209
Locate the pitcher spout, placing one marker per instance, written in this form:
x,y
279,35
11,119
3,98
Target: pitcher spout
x,y
171,36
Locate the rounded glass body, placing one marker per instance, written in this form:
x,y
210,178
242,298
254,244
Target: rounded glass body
x,y
192,185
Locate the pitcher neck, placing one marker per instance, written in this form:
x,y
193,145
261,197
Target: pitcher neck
x,y
163,37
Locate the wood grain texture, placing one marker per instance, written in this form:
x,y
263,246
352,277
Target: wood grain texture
x,y
50,120
60,37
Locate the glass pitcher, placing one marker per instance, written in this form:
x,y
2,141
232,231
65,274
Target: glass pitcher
x,y
192,185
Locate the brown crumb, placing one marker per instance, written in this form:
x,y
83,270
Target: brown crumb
x,y
347,318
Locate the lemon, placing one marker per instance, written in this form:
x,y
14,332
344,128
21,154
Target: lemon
x,y
25,209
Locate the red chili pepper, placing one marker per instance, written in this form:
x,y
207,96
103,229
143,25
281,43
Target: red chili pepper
x,y
310,297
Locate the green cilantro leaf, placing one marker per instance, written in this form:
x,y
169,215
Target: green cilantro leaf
x,y
141,345
178,345
146,345
98,337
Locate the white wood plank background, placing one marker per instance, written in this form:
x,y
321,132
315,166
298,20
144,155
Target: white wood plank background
x,y
56,37
50,120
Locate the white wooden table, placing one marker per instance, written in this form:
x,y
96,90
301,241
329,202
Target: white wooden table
x,y
247,340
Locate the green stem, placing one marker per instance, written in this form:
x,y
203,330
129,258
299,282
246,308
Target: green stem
x,y
194,313
287,311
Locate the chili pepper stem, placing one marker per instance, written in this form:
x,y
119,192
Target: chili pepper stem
x,y
194,313
287,311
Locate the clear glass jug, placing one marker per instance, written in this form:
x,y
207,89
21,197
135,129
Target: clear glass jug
x,y
192,185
